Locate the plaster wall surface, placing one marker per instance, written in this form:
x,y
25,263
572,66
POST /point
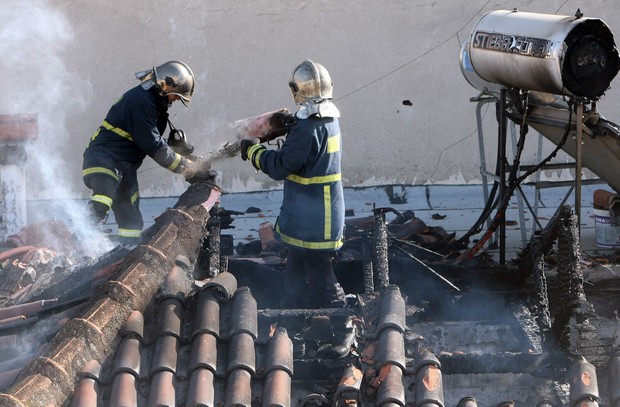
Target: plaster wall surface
x,y
407,117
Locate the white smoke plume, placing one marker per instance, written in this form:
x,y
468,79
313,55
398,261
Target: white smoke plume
x,y
34,36
251,128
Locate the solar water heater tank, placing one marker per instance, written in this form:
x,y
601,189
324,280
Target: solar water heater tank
x,y
574,56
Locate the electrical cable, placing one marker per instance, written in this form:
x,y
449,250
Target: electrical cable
x,y
561,5
416,58
490,205
499,215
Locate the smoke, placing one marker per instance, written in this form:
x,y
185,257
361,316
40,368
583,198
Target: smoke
x,y
35,40
255,128
251,128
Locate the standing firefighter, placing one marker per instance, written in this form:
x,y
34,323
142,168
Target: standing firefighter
x,y
311,219
133,129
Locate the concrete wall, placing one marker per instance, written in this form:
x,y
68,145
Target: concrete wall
x,y
68,61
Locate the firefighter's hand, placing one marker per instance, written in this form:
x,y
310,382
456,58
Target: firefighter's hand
x,y
251,150
178,141
245,145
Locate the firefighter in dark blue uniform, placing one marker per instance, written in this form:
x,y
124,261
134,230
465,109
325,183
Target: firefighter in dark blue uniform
x,y
311,219
132,130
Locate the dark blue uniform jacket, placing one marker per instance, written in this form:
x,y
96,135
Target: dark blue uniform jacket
x,y
312,212
132,129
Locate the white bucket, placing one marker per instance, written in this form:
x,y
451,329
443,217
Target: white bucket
x,y
607,235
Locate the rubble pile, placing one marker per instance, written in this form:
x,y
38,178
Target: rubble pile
x,y
416,314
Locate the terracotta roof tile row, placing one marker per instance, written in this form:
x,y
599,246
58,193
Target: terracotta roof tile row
x,y
195,376
193,380
203,346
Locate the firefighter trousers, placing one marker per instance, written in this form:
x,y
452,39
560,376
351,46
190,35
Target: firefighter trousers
x,y
121,196
310,282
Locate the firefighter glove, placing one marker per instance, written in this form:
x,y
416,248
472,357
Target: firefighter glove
x,y
250,149
178,141
245,145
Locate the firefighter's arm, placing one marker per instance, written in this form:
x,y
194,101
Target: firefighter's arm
x,y
167,158
252,150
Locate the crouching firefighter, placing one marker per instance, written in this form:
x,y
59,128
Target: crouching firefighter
x,y
132,130
311,219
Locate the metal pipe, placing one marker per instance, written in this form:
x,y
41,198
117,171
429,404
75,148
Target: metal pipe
x,y
578,159
502,126
483,161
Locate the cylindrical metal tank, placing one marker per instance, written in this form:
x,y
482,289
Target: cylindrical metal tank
x,y
563,55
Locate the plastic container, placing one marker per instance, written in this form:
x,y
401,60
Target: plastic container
x,y
607,235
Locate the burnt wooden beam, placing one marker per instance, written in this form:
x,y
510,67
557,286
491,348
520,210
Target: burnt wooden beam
x,y
51,378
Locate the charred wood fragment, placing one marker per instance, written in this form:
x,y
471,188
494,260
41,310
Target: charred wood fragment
x,y
542,242
369,284
544,318
380,250
541,298
214,227
575,326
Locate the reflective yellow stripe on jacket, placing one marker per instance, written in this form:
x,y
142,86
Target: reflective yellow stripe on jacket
x,y
327,199
126,135
175,163
113,129
308,245
117,130
327,205
324,179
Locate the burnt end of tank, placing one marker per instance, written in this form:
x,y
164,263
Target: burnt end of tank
x,y
513,49
591,61
209,263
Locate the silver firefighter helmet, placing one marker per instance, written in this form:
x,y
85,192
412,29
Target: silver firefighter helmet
x,y
310,82
170,78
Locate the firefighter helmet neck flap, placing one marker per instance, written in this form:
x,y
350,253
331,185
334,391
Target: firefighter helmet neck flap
x,y
170,78
312,90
